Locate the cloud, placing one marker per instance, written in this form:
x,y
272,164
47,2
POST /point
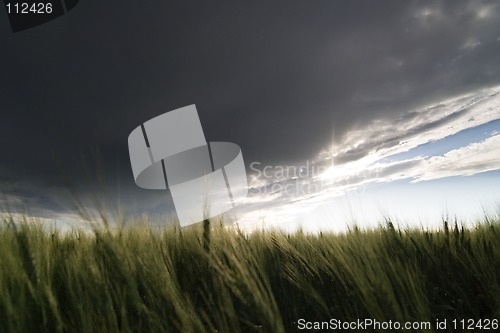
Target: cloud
x,y
361,158
407,130
466,161
277,78
470,43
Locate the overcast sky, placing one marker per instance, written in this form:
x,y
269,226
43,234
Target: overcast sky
x,y
288,81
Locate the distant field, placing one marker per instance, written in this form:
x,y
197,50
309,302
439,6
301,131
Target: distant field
x,y
139,280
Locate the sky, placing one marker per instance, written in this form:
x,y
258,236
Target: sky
x,y
372,108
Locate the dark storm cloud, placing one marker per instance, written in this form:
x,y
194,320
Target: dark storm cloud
x,y
278,78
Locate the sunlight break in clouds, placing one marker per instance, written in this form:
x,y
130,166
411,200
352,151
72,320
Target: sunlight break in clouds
x,y
359,157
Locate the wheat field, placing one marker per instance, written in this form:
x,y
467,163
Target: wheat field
x,y
141,279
